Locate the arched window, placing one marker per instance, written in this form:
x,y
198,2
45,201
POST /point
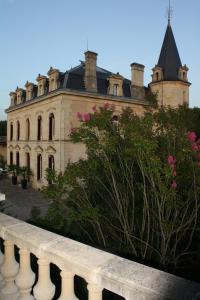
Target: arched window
x,y
184,75
17,159
28,164
27,129
51,165
39,167
51,126
39,128
11,158
18,131
28,161
51,162
157,75
115,89
11,131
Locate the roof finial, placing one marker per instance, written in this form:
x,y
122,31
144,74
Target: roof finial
x,y
169,13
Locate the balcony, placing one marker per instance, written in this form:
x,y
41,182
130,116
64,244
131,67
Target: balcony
x,y
101,270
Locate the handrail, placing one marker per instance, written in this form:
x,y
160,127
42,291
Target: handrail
x,y
100,269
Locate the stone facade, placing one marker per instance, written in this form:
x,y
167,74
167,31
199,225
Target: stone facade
x,y
41,117
63,105
172,93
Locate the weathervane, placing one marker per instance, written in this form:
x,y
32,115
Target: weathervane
x,y
169,12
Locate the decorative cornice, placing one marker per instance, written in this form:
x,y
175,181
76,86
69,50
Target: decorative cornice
x,y
50,150
38,149
27,148
85,94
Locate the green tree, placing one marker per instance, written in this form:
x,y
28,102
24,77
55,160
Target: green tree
x,y
3,128
137,194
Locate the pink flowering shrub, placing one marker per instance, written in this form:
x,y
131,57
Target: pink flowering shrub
x,y
192,136
138,191
79,116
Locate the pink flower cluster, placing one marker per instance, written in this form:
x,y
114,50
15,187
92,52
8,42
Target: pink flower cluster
x,y
172,163
109,106
87,116
83,117
73,130
195,144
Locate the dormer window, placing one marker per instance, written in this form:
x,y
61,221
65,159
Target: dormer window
x,y
157,76
20,95
42,83
182,75
115,85
40,88
52,85
53,79
13,98
29,90
115,89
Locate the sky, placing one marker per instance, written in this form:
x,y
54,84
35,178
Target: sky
x,y
37,34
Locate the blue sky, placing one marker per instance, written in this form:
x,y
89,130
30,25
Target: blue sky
x,y
37,34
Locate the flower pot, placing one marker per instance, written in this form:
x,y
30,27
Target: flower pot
x,y
24,183
14,179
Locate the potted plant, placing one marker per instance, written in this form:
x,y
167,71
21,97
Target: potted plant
x,y
14,178
14,171
26,173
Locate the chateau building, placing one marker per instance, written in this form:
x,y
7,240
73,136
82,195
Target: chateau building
x,y
41,115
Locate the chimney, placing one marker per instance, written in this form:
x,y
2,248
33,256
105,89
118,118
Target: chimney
x,y
137,74
137,81
90,71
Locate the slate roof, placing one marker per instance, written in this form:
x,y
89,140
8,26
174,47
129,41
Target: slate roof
x,y
74,79
169,59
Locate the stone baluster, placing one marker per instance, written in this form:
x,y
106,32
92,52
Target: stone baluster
x,y
1,262
44,289
67,291
95,292
25,278
9,270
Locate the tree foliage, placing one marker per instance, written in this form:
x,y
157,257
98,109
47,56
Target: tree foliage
x,y
3,128
137,193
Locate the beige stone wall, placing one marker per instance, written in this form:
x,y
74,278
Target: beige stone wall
x,y
3,152
64,106
32,146
171,93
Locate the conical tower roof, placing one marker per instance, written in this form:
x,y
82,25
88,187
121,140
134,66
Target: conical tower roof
x,y
169,59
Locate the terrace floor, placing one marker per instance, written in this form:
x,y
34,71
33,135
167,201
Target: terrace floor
x,y
19,202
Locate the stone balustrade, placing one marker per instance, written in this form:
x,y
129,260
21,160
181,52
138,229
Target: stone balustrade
x,y
100,269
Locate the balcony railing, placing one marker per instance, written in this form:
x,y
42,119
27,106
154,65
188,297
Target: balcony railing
x,y
100,269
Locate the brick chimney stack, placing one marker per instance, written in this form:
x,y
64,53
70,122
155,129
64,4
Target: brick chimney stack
x,y
90,71
137,74
137,81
